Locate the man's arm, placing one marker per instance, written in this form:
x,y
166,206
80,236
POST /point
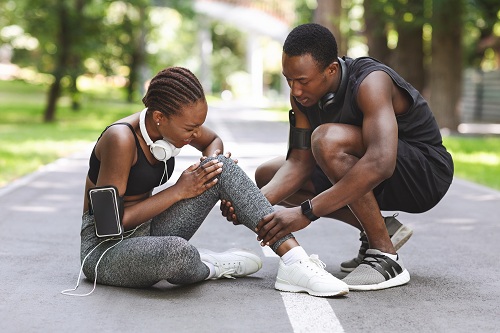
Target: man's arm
x,y
296,170
380,139
376,150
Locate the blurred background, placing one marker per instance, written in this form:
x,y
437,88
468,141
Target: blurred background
x,y
70,67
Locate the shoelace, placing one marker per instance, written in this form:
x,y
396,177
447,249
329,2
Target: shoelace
x,y
321,265
228,272
364,242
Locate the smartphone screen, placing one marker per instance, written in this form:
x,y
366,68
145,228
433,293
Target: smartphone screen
x,y
105,209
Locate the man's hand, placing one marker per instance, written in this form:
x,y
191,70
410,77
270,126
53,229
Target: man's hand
x,y
227,209
280,223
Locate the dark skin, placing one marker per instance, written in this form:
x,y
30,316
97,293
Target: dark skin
x,y
118,153
355,159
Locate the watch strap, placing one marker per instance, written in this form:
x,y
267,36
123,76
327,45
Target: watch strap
x,y
306,207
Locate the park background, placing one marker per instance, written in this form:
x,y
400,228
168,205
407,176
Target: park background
x,y
70,67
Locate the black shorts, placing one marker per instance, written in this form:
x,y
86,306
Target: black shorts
x,y
420,180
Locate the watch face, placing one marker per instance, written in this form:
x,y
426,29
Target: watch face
x,y
306,206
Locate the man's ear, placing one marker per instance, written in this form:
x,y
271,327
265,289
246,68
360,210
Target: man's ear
x,y
333,68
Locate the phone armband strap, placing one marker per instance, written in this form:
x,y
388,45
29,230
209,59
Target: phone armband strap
x,y
299,138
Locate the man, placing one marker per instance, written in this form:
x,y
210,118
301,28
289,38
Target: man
x,y
356,124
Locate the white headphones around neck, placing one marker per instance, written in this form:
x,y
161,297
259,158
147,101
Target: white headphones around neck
x,y
162,150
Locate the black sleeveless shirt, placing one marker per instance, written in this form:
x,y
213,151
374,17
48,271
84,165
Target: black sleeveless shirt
x,y
417,126
143,176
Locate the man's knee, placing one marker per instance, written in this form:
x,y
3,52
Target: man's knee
x,y
336,147
266,171
327,141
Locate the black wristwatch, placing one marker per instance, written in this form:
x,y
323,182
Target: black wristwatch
x,y
306,207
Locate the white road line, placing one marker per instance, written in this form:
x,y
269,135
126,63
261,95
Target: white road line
x,y
308,313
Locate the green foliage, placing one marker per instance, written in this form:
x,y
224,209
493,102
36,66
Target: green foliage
x,y
26,142
476,158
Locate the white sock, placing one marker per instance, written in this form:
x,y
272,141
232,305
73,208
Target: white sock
x,y
392,256
295,254
211,267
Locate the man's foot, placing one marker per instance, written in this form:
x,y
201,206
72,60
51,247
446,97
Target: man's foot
x,y
398,233
309,275
377,271
232,263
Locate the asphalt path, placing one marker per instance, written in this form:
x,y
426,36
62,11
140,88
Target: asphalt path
x,y
452,258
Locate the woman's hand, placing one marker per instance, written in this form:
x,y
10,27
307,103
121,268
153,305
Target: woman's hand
x,y
198,178
216,153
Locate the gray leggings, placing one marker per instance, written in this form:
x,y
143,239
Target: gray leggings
x,y
159,249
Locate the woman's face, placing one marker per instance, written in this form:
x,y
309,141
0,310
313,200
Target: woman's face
x,y
180,129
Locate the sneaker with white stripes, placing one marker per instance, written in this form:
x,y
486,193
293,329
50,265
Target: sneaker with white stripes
x,y
232,263
377,271
309,275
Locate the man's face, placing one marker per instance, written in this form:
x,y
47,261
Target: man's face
x,y
307,82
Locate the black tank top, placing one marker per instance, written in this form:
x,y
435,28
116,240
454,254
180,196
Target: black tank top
x,y
417,126
143,176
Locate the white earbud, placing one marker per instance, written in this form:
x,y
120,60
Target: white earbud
x,y
162,150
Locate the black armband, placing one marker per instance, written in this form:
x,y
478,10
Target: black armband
x,y
299,138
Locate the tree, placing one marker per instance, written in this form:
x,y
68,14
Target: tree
x,y
446,66
64,30
482,15
330,14
408,61
376,20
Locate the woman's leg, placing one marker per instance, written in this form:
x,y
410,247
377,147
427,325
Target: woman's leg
x,y
140,261
185,217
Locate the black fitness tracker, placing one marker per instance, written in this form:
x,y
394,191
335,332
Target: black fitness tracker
x,y
306,207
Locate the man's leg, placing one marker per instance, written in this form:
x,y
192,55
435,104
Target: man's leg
x,y
398,232
337,148
266,171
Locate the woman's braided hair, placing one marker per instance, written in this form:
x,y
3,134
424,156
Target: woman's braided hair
x,y
172,89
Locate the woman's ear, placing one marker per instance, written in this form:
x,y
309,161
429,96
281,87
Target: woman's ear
x,y
158,117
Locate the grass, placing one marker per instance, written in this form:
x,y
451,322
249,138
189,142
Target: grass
x,y
476,158
26,142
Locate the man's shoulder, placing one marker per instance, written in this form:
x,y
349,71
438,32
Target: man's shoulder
x,y
363,62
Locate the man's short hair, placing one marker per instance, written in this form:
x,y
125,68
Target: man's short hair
x,y
313,39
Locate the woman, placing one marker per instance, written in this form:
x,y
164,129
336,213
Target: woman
x,y
158,227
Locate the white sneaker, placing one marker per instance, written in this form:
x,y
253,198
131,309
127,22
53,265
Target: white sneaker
x,y
309,275
232,263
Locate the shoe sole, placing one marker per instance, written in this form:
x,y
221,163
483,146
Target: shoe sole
x,y
400,237
296,289
396,281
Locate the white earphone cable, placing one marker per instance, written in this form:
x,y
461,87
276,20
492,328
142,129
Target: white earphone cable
x,y
68,291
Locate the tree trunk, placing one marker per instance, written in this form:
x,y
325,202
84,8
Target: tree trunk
x,y
61,62
138,54
408,60
375,31
329,13
446,67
